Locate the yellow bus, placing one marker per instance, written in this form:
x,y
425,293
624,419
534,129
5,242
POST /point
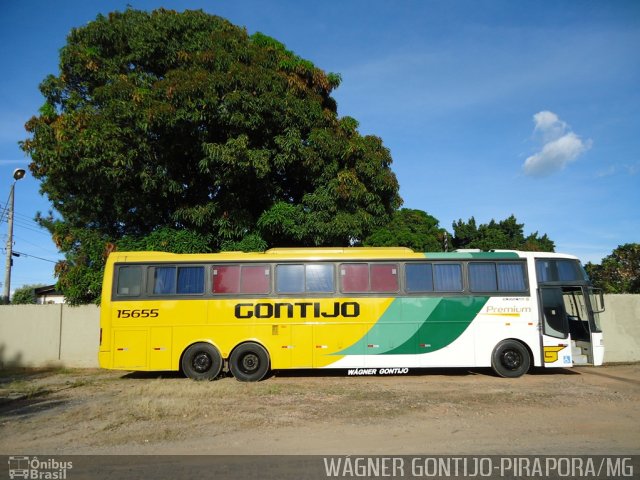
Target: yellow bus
x,y
369,311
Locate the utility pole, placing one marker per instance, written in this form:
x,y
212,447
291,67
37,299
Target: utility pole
x,y
18,173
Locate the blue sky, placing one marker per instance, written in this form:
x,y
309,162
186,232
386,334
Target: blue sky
x,y
489,108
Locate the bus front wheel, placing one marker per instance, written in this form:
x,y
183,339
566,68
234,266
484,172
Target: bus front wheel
x,y
249,362
510,359
201,361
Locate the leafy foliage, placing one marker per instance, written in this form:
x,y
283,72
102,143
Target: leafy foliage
x,y
184,121
505,234
619,272
25,295
409,228
250,243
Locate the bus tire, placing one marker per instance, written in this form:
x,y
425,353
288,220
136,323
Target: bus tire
x,y
201,361
510,359
249,362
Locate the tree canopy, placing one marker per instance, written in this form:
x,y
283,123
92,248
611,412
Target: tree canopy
x,y
619,272
421,232
409,228
505,234
183,121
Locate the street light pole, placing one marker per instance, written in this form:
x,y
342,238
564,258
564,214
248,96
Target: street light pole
x,y
18,173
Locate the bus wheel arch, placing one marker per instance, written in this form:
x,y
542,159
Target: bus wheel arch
x,y
201,361
249,362
511,358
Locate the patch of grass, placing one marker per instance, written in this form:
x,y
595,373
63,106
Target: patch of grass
x,y
25,389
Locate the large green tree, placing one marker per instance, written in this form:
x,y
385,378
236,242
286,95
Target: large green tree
x,y
184,121
505,234
619,272
410,228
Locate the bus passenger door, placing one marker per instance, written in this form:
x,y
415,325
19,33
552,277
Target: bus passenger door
x,y
586,337
556,345
571,334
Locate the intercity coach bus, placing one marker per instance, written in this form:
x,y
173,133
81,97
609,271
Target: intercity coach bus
x,y
365,310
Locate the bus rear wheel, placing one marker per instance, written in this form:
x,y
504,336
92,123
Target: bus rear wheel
x,y
201,361
510,359
249,362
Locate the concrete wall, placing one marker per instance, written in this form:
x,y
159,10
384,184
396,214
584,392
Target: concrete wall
x,y
47,335
621,326
43,335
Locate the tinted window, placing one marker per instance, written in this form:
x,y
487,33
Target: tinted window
x,y
384,277
319,278
559,270
190,280
569,270
354,277
500,277
241,279
362,277
554,314
290,278
511,277
419,277
255,279
129,281
447,277
164,280
180,280
482,277
310,278
226,278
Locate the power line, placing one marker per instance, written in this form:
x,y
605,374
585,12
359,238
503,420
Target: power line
x,y
20,254
20,223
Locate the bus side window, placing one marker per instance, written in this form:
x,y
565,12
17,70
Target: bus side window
x,y
190,280
364,277
354,277
241,279
255,279
384,277
448,277
289,278
226,278
511,277
419,277
164,280
482,277
319,278
129,281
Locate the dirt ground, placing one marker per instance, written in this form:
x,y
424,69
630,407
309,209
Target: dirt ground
x,y
569,411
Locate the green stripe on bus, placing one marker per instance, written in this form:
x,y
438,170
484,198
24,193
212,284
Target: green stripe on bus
x,y
391,331
431,323
443,326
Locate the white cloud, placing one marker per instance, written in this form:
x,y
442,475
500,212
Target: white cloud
x,y
549,125
628,169
560,146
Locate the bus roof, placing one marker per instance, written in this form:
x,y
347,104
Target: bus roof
x,y
338,254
